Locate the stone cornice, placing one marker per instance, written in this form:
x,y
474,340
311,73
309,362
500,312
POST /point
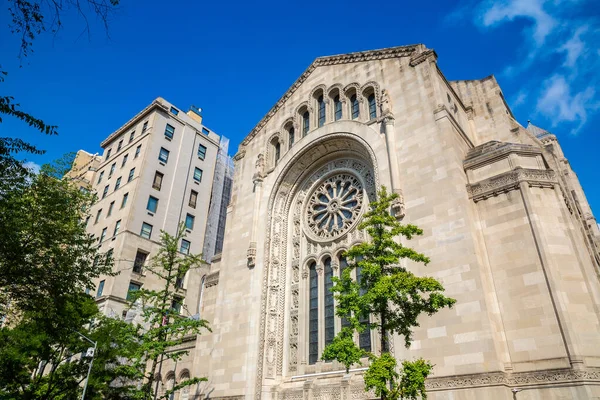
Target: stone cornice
x,y
493,150
510,180
513,380
361,56
212,279
155,104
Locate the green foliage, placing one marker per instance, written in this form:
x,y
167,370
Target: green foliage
x,y
391,293
344,350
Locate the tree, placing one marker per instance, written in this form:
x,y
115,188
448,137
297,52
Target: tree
x,y
163,327
393,295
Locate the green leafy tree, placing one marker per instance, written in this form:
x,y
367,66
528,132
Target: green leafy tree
x,y
163,325
393,295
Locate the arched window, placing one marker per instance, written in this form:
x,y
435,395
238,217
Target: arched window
x,y
171,385
291,134
343,267
185,391
364,338
305,123
277,152
355,106
337,105
372,106
313,315
321,104
328,302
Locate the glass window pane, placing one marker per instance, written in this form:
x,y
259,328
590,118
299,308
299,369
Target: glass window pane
x,y
313,316
198,174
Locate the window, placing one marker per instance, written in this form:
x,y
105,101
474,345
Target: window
x,y
176,305
152,204
118,183
305,122
364,338
163,156
169,131
108,153
140,260
145,126
174,111
355,106
117,227
158,178
313,315
321,107
100,177
103,235
205,131
131,172
328,300
277,152
133,287
131,136
105,191
343,267
100,289
119,145
137,151
179,280
193,199
146,231
112,169
185,246
337,105
125,157
189,221
372,106
98,216
201,152
87,221
198,174
291,136
110,208
124,201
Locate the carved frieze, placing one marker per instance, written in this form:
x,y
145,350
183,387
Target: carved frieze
x,y
509,181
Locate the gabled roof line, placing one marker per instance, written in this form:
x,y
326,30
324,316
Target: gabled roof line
x,y
390,52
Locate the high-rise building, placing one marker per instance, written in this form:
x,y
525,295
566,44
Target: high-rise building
x,y
156,172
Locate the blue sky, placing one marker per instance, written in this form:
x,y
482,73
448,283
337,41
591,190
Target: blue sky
x,y
235,59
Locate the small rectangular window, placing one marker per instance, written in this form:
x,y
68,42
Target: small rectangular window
x,y
124,201
152,204
140,260
185,246
108,153
117,227
110,208
201,152
163,156
137,151
193,199
189,221
169,131
131,172
198,174
118,183
133,287
174,111
98,216
145,126
100,289
125,157
103,235
205,131
105,192
176,305
100,177
119,145
158,178
146,231
112,169
131,136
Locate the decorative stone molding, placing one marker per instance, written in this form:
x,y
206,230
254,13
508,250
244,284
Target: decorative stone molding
x,y
422,57
398,207
212,279
494,150
512,380
509,181
251,255
239,155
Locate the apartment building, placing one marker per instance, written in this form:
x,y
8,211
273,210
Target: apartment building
x,y
156,172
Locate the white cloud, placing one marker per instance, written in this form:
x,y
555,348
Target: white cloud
x,y
519,99
559,104
33,167
574,47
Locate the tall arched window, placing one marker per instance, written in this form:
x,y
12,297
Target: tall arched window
x,y
328,302
171,385
321,104
291,134
343,267
364,338
313,315
185,391
337,105
305,123
372,106
355,106
277,152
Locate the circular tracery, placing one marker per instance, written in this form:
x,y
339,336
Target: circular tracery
x,y
334,206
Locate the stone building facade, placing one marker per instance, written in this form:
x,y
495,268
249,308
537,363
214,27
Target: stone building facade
x,y
506,224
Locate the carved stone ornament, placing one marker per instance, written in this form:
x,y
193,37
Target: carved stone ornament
x,y
510,180
251,254
398,208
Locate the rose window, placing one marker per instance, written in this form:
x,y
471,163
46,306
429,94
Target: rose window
x,y
334,206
